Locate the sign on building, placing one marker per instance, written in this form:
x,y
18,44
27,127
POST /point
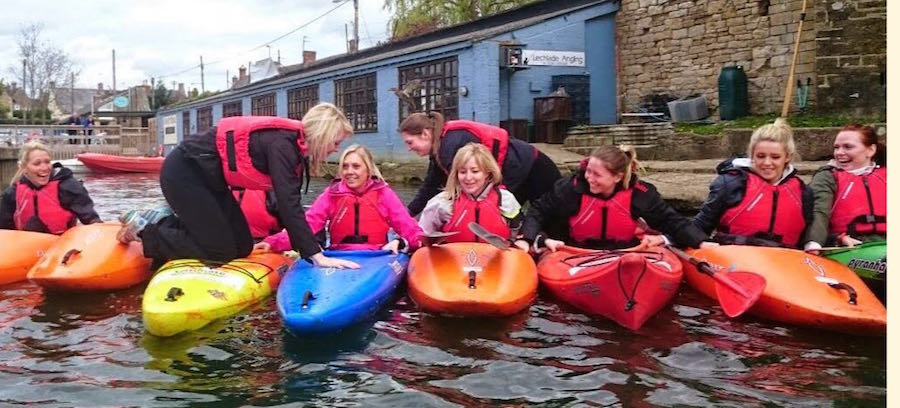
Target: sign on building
x,y
553,58
170,130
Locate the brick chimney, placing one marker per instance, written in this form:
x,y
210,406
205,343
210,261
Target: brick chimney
x,y
100,86
242,73
309,57
181,88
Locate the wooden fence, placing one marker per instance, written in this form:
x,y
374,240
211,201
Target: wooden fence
x,y
65,142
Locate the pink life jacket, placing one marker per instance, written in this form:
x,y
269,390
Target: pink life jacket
x,y
357,219
233,144
860,203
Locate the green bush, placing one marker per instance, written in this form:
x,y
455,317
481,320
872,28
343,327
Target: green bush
x,y
804,120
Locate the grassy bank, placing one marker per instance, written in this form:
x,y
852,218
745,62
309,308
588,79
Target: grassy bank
x,y
804,120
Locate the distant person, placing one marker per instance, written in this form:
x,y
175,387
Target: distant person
x,y
759,200
474,193
44,197
250,152
851,191
358,209
527,172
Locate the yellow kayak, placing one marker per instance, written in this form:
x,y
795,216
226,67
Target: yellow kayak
x,y
187,294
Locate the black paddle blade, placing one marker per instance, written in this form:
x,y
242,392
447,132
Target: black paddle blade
x,y
434,238
738,291
489,237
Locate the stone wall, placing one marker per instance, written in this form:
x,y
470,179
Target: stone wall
x,y
851,56
678,47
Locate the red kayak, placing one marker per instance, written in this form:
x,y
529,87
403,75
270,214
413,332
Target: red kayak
x,y
628,287
107,163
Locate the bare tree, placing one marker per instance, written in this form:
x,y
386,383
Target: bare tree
x,y
413,17
43,63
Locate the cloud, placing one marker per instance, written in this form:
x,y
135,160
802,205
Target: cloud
x,y
162,38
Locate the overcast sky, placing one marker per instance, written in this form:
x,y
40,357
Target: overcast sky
x,y
165,38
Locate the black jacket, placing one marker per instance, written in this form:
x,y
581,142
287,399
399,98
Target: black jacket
x,y
557,206
72,196
728,189
273,152
520,157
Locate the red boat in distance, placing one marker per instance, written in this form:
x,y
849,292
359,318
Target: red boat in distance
x,y
107,163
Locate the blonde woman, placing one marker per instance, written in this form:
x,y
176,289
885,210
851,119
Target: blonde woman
x,y
599,207
44,197
759,200
358,209
473,194
250,152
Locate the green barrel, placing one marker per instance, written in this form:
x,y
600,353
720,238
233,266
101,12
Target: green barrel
x,y
733,99
868,260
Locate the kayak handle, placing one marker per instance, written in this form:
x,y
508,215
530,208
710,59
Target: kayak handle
x,y
307,296
848,288
68,255
174,293
471,279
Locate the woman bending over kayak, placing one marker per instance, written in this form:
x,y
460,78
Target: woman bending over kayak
x,y
249,152
358,209
850,192
759,200
601,204
44,197
473,194
527,172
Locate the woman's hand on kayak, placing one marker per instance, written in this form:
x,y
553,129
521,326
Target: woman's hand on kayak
x,y
849,241
323,261
393,246
553,244
522,244
262,246
708,244
653,240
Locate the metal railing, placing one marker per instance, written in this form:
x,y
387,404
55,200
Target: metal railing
x,y
66,141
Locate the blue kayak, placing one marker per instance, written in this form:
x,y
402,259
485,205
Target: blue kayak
x,y
315,301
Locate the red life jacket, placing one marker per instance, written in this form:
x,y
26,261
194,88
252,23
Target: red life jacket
x,y
357,219
485,212
253,205
39,210
496,139
233,144
605,223
770,212
860,203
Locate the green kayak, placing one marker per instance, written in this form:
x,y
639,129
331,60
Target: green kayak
x,y
868,260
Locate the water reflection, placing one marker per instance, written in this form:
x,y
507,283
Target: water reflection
x,y
62,349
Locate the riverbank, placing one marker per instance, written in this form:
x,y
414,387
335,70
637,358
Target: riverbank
x,y
683,183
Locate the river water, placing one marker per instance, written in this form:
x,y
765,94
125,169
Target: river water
x,y
91,350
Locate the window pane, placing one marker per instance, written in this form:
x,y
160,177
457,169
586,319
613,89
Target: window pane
x,y
301,99
357,98
438,91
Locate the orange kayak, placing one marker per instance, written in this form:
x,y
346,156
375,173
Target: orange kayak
x,y
19,251
88,257
628,287
471,279
801,289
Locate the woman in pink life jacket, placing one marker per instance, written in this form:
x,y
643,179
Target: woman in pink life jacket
x,y
527,172
474,193
44,197
602,206
357,210
850,192
759,200
247,152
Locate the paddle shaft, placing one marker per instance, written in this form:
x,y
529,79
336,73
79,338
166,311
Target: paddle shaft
x,y
706,268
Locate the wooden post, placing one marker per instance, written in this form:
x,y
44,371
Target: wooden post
x,y
789,87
